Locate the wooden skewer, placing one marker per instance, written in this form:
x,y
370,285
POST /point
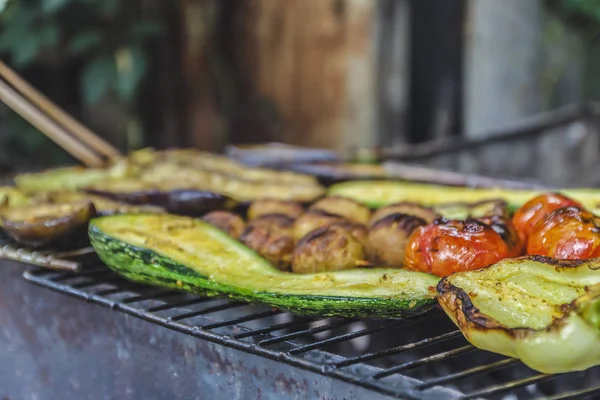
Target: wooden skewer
x,y
39,120
54,111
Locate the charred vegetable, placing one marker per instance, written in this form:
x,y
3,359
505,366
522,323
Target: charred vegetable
x,y
376,194
425,213
41,225
183,201
271,237
343,207
388,238
332,248
566,233
271,206
532,212
190,255
103,205
445,247
61,179
228,222
543,311
313,219
11,196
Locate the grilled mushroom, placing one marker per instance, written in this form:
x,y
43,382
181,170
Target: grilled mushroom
x,y
425,213
313,219
343,207
388,237
227,221
262,207
275,248
330,248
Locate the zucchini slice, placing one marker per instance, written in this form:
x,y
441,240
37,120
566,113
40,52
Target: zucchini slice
x,y
379,193
190,255
543,311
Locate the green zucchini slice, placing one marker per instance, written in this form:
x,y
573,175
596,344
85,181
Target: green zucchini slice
x,y
379,193
543,311
190,255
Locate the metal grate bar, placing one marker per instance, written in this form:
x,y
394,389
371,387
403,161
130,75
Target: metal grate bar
x,y
398,349
505,387
85,273
91,283
74,253
185,303
424,360
150,296
344,337
305,332
575,394
208,310
125,288
269,329
468,373
245,318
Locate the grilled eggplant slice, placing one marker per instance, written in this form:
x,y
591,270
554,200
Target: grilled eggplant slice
x,y
192,202
191,255
543,311
43,225
377,194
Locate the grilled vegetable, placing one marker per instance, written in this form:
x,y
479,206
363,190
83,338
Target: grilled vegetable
x,y
276,223
388,238
331,248
445,247
190,255
228,222
313,219
11,196
103,205
271,206
536,309
476,210
271,236
532,212
61,179
425,213
346,208
566,233
376,194
41,225
183,201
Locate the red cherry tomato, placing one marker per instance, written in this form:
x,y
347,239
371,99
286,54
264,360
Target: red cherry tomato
x,y
505,228
445,247
567,233
530,213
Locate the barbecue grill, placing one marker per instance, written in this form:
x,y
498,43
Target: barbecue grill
x,y
232,349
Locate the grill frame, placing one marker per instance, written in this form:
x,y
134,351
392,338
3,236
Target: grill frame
x,y
390,382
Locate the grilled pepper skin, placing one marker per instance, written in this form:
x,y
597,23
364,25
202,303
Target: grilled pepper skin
x,y
544,311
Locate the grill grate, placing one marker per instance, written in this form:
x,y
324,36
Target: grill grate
x,y
424,357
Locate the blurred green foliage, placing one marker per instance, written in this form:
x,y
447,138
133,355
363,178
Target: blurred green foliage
x,y
107,39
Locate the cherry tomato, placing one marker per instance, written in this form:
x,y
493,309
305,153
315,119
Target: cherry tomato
x,y
567,233
530,213
445,247
505,228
